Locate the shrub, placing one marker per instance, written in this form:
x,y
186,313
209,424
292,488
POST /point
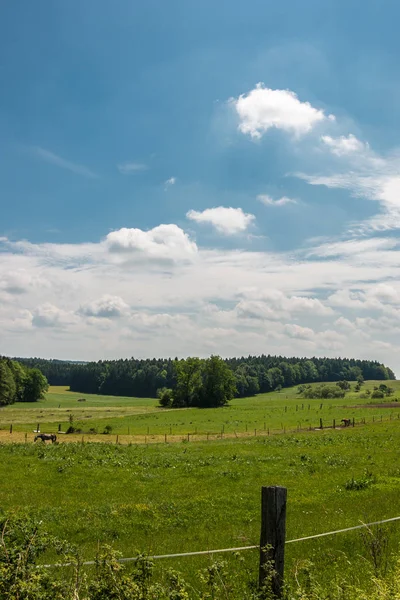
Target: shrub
x,y
107,430
165,397
360,484
377,394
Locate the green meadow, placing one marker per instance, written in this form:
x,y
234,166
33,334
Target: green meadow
x,y
276,411
166,498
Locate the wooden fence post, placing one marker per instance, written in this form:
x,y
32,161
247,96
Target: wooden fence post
x,y
334,423
272,537
320,424
11,428
59,427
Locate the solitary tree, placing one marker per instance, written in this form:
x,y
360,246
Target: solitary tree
x,y
218,383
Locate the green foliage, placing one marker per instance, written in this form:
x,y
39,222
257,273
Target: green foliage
x,y
362,483
202,383
19,384
35,385
344,385
323,391
165,397
7,384
188,382
22,543
253,374
218,383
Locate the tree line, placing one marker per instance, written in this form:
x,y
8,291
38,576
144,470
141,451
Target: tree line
x,y
19,383
251,374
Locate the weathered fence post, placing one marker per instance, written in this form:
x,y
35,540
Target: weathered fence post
x,y
320,424
272,537
11,428
334,423
26,437
59,427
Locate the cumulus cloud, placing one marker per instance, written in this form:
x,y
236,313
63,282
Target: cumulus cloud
x,y
128,168
228,221
232,302
302,333
48,315
274,304
343,145
15,283
263,108
106,307
164,242
268,201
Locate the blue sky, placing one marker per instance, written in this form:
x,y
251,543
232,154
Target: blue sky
x,y
156,201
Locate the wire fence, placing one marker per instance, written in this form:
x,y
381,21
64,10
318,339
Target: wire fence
x,y
239,549
9,433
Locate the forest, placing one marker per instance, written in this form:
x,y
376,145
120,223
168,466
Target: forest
x,y
20,383
251,374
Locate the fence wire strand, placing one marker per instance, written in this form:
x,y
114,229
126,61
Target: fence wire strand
x,y
240,549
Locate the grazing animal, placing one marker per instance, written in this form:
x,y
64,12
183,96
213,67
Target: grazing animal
x,y
46,436
346,422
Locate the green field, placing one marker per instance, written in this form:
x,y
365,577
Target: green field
x,y
276,411
166,498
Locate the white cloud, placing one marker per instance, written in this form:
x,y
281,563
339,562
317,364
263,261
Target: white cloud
x,y
52,158
106,307
302,333
232,302
343,145
169,182
386,293
263,108
163,243
228,221
268,201
48,315
128,168
274,304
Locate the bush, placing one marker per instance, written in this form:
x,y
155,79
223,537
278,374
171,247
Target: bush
x,y
107,430
323,392
165,397
360,484
377,394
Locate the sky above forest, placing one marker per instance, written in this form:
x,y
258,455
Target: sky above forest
x,y
192,178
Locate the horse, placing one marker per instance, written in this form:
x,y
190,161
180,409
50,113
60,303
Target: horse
x,y
46,436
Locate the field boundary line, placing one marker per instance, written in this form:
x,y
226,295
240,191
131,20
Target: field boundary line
x,y
240,549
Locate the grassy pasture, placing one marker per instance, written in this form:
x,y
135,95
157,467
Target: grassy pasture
x,y
275,411
166,498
